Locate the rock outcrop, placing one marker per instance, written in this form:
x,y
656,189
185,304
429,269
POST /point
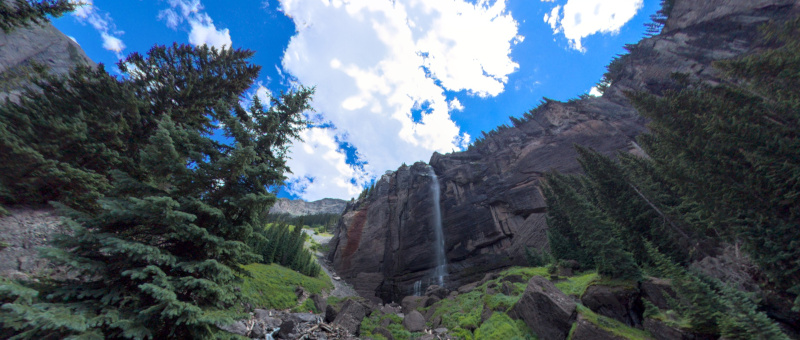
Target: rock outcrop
x,y
545,309
491,203
38,44
300,207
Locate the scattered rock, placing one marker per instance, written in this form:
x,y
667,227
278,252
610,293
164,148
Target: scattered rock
x,y
440,331
585,330
414,322
507,288
545,309
621,303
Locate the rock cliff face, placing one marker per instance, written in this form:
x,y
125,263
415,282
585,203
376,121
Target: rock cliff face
x,y
44,45
491,203
300,207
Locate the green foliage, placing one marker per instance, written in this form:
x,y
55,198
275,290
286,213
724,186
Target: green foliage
x,y
273,286
395,327
23,13
284,245
613,326
500,326
576,285
158,255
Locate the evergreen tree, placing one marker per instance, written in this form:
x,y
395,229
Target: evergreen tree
x,y
157,259
731,153
22,13
594,230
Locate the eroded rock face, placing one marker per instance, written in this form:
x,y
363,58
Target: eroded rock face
x,y
491,203
300,207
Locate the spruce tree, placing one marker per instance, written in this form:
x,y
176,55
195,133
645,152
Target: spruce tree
x,y
23,13
731,153
594,230
158,258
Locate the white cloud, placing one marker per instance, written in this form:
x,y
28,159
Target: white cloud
x,y
455,105
318,159
112,43
373,61
594,92
202,29
88,13
578,19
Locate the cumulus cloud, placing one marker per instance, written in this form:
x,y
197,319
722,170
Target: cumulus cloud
x,y
578,19
88,13
202,30
594,92
382,69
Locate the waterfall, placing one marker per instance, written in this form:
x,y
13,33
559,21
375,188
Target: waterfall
x,y
418,288
441,261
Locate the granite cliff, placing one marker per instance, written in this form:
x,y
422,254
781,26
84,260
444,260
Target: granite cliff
x,y
491,204
300,207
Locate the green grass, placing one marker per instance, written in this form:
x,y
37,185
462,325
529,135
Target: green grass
x,y
612,326
272,286
500,326
576,285
373,321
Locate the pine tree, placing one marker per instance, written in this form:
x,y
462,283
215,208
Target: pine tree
x,y
158,258
23,13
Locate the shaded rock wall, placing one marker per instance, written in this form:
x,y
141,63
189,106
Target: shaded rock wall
x,y
491,200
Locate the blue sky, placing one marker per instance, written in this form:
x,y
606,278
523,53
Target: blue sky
x,y
396,80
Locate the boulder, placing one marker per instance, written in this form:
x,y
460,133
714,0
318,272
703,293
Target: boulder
x,y
330,313
545,309
300,318
410,303
383,332
621,303
662,331
350,316
414,322
437,291
514,279
239,327
430,300
585,330
287,328
319,302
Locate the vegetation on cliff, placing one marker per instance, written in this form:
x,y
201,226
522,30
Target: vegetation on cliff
x,y
721,168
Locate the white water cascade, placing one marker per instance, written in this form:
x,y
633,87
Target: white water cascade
x,y
441,261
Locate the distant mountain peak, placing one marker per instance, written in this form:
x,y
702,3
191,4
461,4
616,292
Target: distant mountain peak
x,y
300,207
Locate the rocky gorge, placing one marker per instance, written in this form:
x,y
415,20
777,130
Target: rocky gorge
x,y
492,208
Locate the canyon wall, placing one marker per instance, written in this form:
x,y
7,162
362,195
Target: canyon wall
x,y
491,203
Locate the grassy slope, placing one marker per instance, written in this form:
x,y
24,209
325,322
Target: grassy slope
x,y
272,286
